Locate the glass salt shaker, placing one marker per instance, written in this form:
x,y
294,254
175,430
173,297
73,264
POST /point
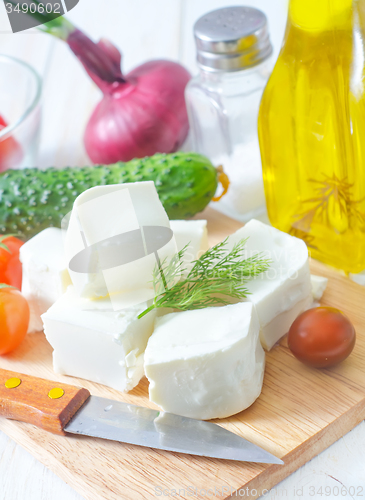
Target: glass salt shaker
x,y
233,54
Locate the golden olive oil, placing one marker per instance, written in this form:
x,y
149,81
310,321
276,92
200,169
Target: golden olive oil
x,y
312,131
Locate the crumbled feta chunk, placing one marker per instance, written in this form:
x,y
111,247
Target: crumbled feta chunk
x,y
358,278
319,284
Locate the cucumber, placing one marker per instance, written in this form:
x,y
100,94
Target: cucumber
x,y
32,199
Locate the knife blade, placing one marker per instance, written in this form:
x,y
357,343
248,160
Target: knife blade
x,y
65,409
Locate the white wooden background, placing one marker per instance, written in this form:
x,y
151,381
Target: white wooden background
x,y
142,29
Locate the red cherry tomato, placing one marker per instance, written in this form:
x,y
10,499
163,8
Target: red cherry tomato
x,y
14,319
11,152
321,337
10,265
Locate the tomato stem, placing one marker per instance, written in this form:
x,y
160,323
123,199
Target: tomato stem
x,y
2,244
4,285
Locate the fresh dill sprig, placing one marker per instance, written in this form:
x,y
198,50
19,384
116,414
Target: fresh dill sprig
x,y
216,278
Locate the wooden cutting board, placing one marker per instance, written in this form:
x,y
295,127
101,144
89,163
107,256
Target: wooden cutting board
x,y
300,412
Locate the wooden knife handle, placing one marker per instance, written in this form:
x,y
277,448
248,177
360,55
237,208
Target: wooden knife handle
x,y
46,404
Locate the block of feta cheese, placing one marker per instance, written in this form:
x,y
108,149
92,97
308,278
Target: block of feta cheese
x,y
115,238
94,342
45,275
206,363
192,233
284,291
319,284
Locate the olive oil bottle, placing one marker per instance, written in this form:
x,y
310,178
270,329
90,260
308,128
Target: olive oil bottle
x,y
312,131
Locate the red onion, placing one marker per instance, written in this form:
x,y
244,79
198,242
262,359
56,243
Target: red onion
x,y
141,113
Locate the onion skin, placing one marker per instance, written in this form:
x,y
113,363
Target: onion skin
x,y
143,116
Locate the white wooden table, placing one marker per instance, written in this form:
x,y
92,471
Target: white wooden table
x,y
142,29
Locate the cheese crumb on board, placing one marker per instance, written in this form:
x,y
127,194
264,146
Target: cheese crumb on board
x,y
94,342
284,291
358,278
45,275
319,284
206,363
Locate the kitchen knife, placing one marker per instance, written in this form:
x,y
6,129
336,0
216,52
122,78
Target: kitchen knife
x,y
64,409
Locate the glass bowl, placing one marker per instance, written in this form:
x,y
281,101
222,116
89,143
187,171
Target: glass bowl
x,y
20,113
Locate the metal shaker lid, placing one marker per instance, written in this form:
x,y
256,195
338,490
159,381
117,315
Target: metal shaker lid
x,y
232,38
